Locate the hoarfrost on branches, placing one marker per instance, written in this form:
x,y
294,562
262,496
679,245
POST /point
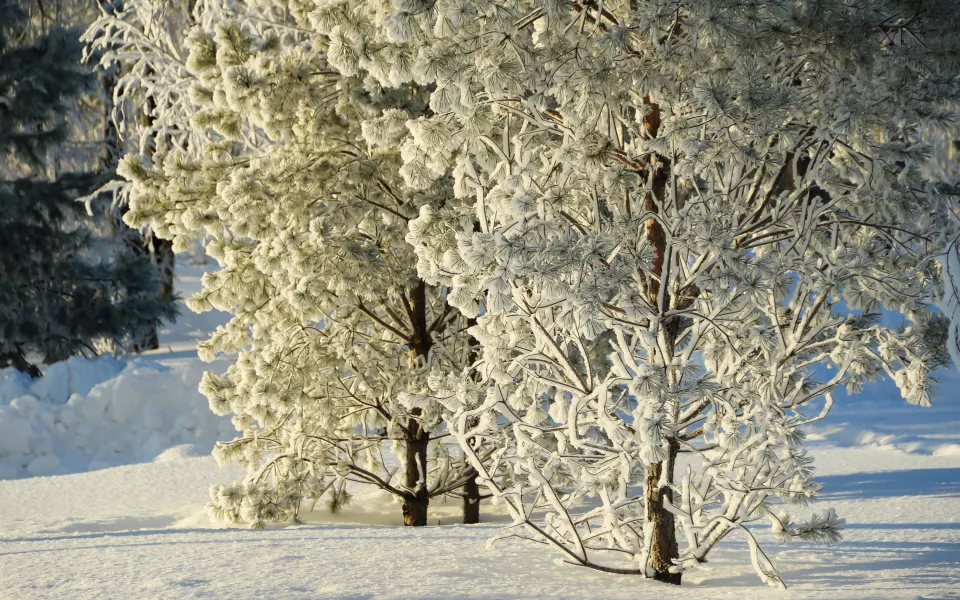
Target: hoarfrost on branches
x,y
680,211
671,227
336,336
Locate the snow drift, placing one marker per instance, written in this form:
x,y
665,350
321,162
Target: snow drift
x,y
90,414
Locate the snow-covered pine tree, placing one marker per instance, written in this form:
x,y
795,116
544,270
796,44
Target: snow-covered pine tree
x,y
136,91
690,215
56,298
291,167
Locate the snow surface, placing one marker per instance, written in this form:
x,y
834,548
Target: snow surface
x,y
90,414
140,530
84,415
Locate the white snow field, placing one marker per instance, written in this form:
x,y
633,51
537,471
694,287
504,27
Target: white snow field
x,y
104,472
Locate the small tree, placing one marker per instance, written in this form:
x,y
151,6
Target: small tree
x,y
689,217
56,297
293,172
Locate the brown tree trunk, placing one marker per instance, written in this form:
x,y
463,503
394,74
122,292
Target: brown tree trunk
x,y
664,550
165,261
416,501
417,497
471,500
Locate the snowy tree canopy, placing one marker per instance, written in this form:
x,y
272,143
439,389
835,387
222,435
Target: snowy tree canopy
x,y
141,43
687,219
672,226
337,337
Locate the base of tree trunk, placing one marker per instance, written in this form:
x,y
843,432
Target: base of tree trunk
x,y
415,512
416,501
471,501
150,341
664,550
667,577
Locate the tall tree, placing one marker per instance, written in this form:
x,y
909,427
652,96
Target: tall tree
x,y
690,214
57,297
291,169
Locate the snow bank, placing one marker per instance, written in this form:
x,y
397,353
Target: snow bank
x,y
90,414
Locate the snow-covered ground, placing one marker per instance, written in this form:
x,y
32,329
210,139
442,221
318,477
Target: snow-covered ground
x,y
122,515
85,415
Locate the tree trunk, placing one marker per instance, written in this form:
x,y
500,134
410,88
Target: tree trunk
x,y
471,500
161,255
664,550
471,490
418,496
663,546
166,261
417,499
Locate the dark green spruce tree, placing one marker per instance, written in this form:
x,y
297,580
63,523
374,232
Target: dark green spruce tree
x,y
58,294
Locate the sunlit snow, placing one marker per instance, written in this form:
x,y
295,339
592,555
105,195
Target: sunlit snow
x,y
140,529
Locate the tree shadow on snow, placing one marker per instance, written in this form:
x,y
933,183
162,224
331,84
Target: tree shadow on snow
x,y
906,568
918,566
886,484
271,534
110,534
937,526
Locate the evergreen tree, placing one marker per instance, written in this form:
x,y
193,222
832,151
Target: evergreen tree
x,y
337,338
671,225
690,214
57,297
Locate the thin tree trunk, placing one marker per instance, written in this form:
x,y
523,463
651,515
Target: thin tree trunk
x,y
471,500
165,261
664,550
417,500
471,489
